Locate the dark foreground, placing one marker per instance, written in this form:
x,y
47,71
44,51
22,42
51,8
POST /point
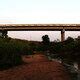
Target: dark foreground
x,y
36,67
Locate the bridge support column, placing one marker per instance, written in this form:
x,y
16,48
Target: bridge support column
x,y
62,35
3,34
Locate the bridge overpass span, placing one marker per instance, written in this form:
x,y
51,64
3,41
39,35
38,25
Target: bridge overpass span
x,y
39,27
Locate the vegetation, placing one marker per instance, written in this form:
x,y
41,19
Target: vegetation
x,y
46,43
46,40
11,51
68,51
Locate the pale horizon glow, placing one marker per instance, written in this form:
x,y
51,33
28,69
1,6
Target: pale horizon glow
x,y
37,35
39,12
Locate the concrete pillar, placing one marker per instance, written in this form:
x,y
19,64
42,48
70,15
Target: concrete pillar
x,y
62,35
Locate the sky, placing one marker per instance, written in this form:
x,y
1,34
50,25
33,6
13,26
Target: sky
x,y
39,12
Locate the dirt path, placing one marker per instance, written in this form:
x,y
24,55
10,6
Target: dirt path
x,y
37,67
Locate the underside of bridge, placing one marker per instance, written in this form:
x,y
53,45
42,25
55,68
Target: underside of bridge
x,y
39,27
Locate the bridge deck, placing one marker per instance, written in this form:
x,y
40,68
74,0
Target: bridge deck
x,y
57,27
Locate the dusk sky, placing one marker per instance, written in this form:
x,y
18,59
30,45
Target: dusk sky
x,y
39,11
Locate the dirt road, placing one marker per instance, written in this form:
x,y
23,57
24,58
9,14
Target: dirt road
x,y
36,67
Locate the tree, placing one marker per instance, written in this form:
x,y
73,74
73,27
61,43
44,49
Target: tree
x,y
45,39
69,40
46,42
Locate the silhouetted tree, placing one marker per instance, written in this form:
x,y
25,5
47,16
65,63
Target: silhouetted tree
x,y
45,39
46,42
69,40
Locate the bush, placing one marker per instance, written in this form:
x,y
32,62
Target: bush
x,y
11,51
9,54
69,50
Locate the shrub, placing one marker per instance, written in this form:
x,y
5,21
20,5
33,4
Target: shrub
x,y
9,54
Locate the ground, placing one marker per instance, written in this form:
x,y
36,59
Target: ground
x,y
36,67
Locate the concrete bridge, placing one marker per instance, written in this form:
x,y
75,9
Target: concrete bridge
x,y
39,27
